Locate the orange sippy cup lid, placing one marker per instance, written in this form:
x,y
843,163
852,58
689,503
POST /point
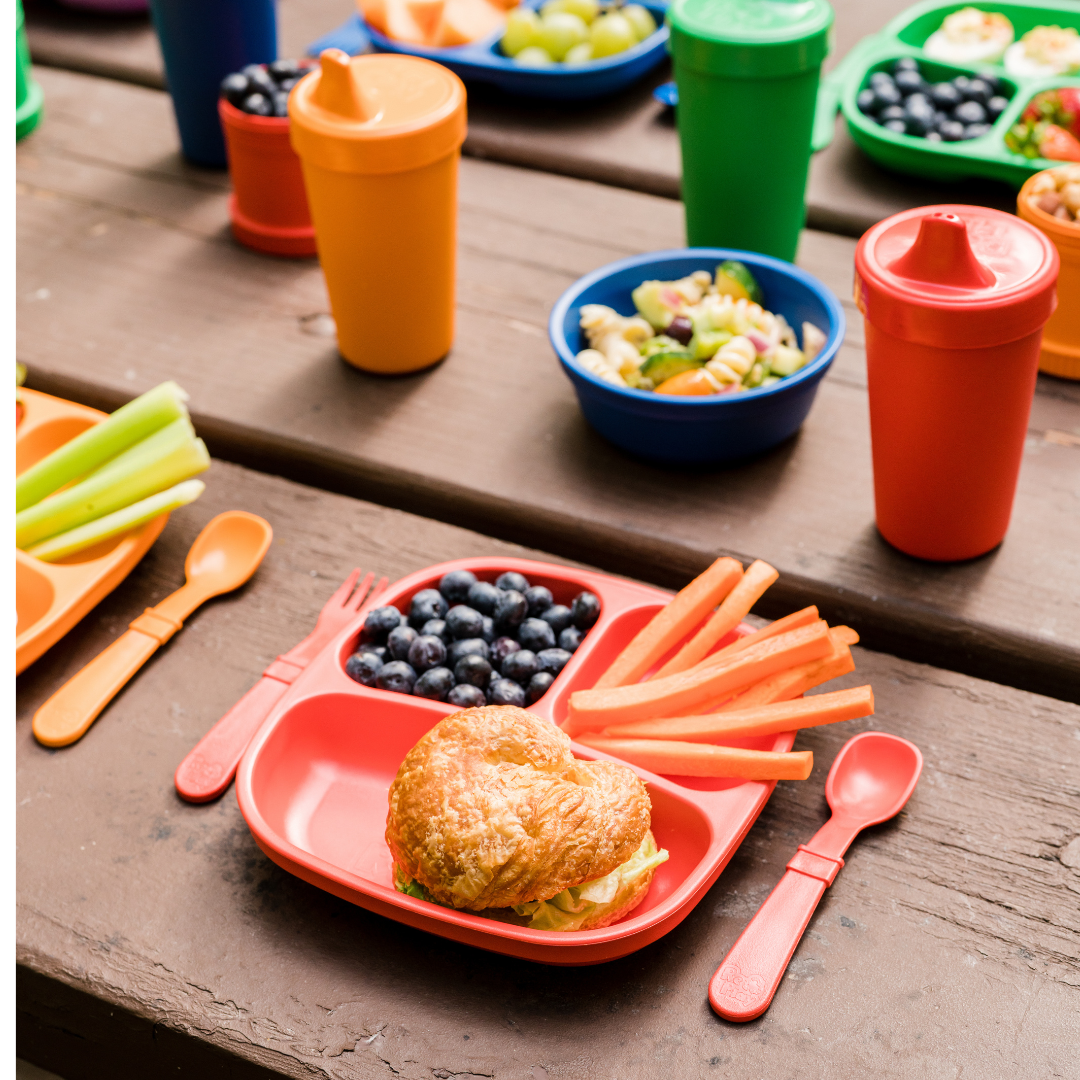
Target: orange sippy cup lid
x,y
379,113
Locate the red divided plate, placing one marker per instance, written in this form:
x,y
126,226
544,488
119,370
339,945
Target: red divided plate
x,y
313,784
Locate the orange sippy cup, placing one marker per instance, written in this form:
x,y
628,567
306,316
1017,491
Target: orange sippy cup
x,y
379,138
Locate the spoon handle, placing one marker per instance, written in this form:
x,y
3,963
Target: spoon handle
x,y
744,984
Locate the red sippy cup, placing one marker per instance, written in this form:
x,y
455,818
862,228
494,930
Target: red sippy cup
x,y
954,300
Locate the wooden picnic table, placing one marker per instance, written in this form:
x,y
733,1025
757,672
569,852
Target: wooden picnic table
x,y
628,141
155,940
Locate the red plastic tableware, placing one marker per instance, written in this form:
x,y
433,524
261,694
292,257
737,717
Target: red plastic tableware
x,y
954,300
871,779
313,784
210,767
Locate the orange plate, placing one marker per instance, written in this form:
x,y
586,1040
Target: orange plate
x,y
52,597
313,783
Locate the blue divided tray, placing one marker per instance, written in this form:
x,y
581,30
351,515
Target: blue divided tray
x,y
481,61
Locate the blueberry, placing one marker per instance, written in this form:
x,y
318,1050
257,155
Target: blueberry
x,y
918,124
363,667
979,90
905,63
467,696
570,639
887,95
510,610
483,596
951,130
400,641
436,683
898,126
488,632
996,106
378,650
536,634
867,101
940,118
893,112
436,628
512,580
538,686
881,78
973,131
501,648
505,692
473,669
919,104
909,82
281,103
945,96
538,598
992,81
259,77
585,610
396,676
427,652
520,666
287,84
681,329
933,136
235,87
426,604
552,660
557,617
466,647
464,622
455,585
283,69
969,112
258,104
381,621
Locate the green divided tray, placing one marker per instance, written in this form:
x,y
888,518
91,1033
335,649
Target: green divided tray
x,y
986,156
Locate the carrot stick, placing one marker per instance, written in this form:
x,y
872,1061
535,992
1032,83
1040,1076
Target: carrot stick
x,y
696,759
764,720
672,623
779,626
596,709
758,577
789,684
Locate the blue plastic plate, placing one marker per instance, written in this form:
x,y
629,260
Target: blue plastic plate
x,y
482,61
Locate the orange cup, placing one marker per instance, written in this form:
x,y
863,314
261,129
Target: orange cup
x,y
1061,339
380,138
268,207
954,300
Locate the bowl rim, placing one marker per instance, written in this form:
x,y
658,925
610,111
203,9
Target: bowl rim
x,y
812,371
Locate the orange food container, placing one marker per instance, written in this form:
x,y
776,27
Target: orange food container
x,y
954,299
380,138
1061,339
51,598
268,207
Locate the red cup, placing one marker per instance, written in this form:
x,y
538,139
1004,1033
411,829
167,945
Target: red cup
x,y
954,300
268,207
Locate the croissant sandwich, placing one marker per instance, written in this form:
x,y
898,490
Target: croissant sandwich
x,y
491,810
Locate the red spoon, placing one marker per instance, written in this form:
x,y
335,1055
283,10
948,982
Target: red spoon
x,y
871,779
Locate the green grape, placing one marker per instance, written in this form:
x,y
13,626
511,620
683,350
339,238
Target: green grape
x,y
534,57
639,18
611,34
579,54
587,10
560,32
522,30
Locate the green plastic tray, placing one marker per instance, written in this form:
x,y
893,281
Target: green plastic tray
x,y
986,156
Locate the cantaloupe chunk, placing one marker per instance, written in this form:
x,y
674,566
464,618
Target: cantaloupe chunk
x,y
402,26
374,12
427,14
464,21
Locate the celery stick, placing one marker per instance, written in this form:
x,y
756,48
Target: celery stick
x,y
94,532
165,458
127,426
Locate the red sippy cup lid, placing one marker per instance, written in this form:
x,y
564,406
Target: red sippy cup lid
x,y
956,277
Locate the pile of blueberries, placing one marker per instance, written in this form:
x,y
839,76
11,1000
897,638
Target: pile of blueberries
x,y
263,89
471,643
904,102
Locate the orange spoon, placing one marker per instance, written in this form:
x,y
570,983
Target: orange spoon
x,y
225,554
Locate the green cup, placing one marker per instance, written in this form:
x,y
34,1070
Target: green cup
x,y
28,95
747,73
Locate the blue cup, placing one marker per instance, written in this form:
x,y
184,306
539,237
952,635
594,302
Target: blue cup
x,y
202,41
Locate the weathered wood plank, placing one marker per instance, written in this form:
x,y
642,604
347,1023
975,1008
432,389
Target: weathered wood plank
x,y
153,934
128,277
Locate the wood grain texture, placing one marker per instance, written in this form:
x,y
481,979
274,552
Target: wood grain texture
x,y
629,141
153,934
128,277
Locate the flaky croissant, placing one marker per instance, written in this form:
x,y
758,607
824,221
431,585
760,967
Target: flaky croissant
x,y
490,809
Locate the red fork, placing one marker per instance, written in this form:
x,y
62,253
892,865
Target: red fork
x,y
209,768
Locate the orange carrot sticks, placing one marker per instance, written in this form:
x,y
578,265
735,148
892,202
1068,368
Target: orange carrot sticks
x,y
697,759
758,577
596,709
764,720
672,623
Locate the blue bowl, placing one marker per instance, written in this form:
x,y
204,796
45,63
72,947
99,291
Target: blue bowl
x,y
481,61
708,429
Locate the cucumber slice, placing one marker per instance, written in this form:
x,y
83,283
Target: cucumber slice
x,y
733,279
663,366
